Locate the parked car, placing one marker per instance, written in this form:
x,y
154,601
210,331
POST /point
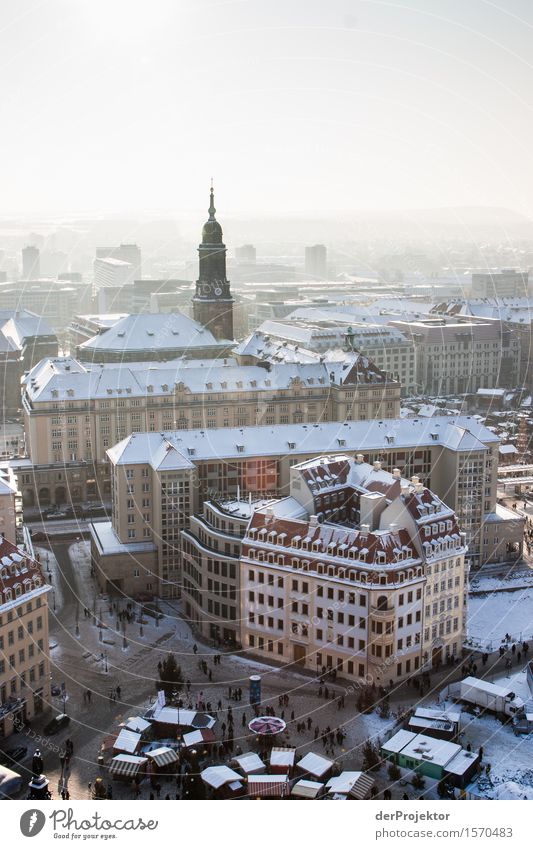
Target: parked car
x,y
57,514
57,723
39,536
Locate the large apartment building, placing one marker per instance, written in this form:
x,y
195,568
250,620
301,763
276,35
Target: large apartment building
x,y
74,412
24,644
500,283
388,348
458,356
211,550
358,571
159,480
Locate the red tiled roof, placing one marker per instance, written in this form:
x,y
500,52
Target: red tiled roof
x,y
18,572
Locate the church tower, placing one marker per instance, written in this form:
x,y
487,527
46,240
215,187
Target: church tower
x,y
212,302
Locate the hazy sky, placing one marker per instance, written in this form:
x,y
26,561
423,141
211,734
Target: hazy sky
x,y
132,105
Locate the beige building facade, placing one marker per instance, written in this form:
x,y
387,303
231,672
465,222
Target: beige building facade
x,y
74,412
24,642
160,480
375,600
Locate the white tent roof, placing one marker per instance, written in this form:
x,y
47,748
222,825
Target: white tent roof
x,y
127,741
343,783
217,776
250,763
307,789
315,764
136,723
282,757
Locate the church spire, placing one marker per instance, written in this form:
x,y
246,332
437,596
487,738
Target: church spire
x,y
212,209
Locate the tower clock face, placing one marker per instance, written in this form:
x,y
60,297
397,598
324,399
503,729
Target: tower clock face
x,y
218,291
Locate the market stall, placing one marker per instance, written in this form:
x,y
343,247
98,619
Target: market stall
x,y
249,763
223,780
127,766
305,789
162,760
268,786
316,765
127,742
282,759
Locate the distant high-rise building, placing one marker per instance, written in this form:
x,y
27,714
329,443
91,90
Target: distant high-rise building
x,y
109,271
507,283
246,253
316,258
129,253
31,263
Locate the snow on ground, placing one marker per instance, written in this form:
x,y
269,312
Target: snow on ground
x,y
80,557
518,578
51,570
510,757
492,616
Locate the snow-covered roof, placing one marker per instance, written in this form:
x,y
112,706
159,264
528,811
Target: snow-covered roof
x,y
398,741
65,378
151,331
26,325
423,748
106,540
463,433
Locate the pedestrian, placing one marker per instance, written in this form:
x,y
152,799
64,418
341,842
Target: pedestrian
x,y
195,648
118,691
481,753
89,694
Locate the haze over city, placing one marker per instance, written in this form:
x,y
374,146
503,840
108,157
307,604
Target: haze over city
x,y
118,107
266,418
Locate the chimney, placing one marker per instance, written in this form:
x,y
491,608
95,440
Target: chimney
x,y
415,479
393,527
313,521
396,474
419,487
365,530
359,458
377,465
404,490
